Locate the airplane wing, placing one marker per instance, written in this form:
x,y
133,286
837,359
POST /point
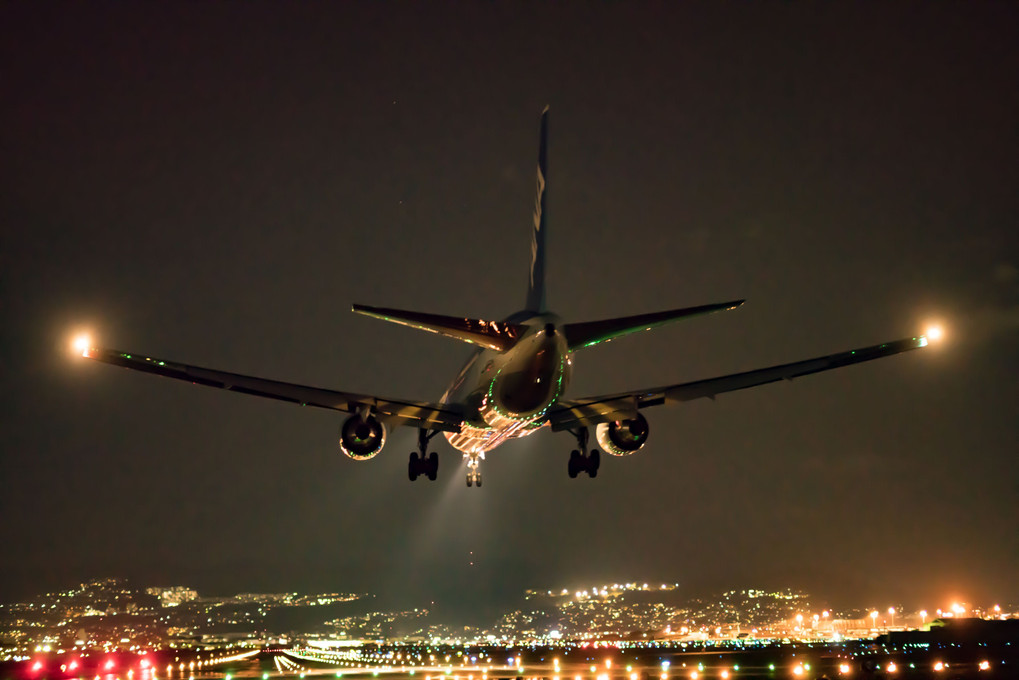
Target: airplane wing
x,y
623,405
398,412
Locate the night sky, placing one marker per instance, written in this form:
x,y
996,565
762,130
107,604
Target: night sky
x,y
216,183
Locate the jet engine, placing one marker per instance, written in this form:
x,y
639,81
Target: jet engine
x,y
623,437
362,436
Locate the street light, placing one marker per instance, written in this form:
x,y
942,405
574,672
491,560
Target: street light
x,y
923,617
891,611
873,619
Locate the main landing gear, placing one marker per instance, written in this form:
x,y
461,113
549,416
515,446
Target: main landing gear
x,y
582,461
426,464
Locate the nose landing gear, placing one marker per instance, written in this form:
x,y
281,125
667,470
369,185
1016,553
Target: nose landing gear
x,y
426,464
473,469
581,460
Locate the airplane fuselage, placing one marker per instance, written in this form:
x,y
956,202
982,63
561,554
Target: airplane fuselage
x,y
505,395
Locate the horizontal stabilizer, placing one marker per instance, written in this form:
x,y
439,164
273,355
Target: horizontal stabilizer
x,y
580,335
497,335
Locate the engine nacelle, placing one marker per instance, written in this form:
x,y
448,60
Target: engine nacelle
x,y
362,438
623,437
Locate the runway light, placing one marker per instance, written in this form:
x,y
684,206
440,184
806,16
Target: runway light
x,y
844,668
939,666
891,667
984,665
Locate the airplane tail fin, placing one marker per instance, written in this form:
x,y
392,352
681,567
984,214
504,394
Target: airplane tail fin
x,y
580,335
497,335
536,301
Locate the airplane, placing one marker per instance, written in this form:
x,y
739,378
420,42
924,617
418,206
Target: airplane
x,y
514,382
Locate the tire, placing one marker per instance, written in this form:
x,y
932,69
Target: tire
x,y
412,466
433,466
594,461
470,479
477,480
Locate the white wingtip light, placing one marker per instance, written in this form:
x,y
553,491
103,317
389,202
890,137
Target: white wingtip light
x,y
82,344
935,333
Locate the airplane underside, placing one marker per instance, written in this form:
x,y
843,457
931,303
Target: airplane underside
x,y
515,381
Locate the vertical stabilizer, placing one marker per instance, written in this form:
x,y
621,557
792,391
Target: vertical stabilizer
x,y
536,301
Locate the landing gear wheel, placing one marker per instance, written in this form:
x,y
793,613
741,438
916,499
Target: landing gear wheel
x,y
426,464
470,477
477,478
412,466
593,462
573,467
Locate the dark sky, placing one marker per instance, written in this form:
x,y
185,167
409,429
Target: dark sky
x,y
217,182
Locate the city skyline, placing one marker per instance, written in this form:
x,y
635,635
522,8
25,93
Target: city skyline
x,y
217,184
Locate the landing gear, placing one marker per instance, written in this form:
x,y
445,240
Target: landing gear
x,y
426,464
473,468
582,461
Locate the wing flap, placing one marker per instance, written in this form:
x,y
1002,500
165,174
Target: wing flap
x,y
417,414
606,408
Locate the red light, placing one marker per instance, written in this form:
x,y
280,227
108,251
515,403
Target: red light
x,y
73,665
37,666
109,664
144,663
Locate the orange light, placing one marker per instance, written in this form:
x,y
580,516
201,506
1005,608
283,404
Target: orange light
x,y
81,344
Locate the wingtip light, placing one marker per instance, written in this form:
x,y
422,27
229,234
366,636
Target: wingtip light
x,y
934,333
82,344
